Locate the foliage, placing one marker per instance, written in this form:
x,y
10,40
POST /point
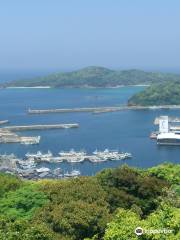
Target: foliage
x,y
167,93
24,230
96,77
127,186
23,202
8,183
108,206
126,221
168,172
77,208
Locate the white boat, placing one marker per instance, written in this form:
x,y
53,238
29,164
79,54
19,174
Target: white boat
x,y
27,164
43,169
72,153
39,154
73,173
95,159
75,159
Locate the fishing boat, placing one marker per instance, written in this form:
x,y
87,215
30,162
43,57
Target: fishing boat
x,y
39,154
72,174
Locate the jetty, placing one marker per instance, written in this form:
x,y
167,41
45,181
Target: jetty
x,y
41,127
101,109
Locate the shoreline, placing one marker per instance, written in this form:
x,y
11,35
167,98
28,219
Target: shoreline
x,y
77,87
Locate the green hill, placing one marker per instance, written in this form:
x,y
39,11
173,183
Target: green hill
x,y
158,94
95,77
108,206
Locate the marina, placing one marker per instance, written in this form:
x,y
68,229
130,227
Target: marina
x,y
29,166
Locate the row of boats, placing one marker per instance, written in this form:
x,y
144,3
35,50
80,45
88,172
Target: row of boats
x,y
30,166
73,156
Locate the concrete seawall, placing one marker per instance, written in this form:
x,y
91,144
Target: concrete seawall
x,y
101,109
41,127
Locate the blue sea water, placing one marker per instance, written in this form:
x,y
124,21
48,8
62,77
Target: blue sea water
x,y
126,130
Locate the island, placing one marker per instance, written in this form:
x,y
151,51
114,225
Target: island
x,y
167,93
95,77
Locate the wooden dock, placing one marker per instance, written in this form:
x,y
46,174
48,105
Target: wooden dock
x,y
41,127
101,109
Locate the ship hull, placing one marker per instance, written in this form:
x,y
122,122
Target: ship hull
x,y
174,142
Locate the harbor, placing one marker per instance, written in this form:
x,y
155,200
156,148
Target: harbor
x,y
31,167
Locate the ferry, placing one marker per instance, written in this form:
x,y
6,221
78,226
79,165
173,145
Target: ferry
x,y
166,136
169,138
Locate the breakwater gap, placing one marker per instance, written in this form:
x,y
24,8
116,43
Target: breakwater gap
x,y
98,110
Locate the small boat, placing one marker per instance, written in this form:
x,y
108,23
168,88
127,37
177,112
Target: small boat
x,y
43,169
39,154
73,173
72,153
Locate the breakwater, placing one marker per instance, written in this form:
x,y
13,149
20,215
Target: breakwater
x,y
41,127
101,109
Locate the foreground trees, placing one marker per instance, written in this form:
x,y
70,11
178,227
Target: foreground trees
x,y
108,206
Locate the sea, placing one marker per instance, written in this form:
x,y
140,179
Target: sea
x,y
126,131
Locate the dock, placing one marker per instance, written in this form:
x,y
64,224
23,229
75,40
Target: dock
x,y
101,109
41,127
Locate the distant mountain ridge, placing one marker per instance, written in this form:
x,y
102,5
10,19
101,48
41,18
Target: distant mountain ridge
x,y
95,77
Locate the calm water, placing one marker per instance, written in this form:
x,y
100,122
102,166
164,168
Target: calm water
x,y
127,130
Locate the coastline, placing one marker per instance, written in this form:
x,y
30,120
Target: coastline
x,y
78,87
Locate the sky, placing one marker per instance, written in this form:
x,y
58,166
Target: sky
x,y
70,34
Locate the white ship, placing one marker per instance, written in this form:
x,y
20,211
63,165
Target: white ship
x,y
165,136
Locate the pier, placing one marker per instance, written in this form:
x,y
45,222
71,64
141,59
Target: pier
x,y
41,127
97,110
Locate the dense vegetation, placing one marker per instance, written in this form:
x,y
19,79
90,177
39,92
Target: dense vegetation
x,y
96,77
108,206
158,94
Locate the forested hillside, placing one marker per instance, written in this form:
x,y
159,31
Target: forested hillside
x,y
95,77
108,206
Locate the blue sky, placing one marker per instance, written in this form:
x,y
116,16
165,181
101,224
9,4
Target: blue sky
x,y
70,34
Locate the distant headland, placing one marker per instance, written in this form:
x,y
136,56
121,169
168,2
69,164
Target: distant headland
x,y
94,76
